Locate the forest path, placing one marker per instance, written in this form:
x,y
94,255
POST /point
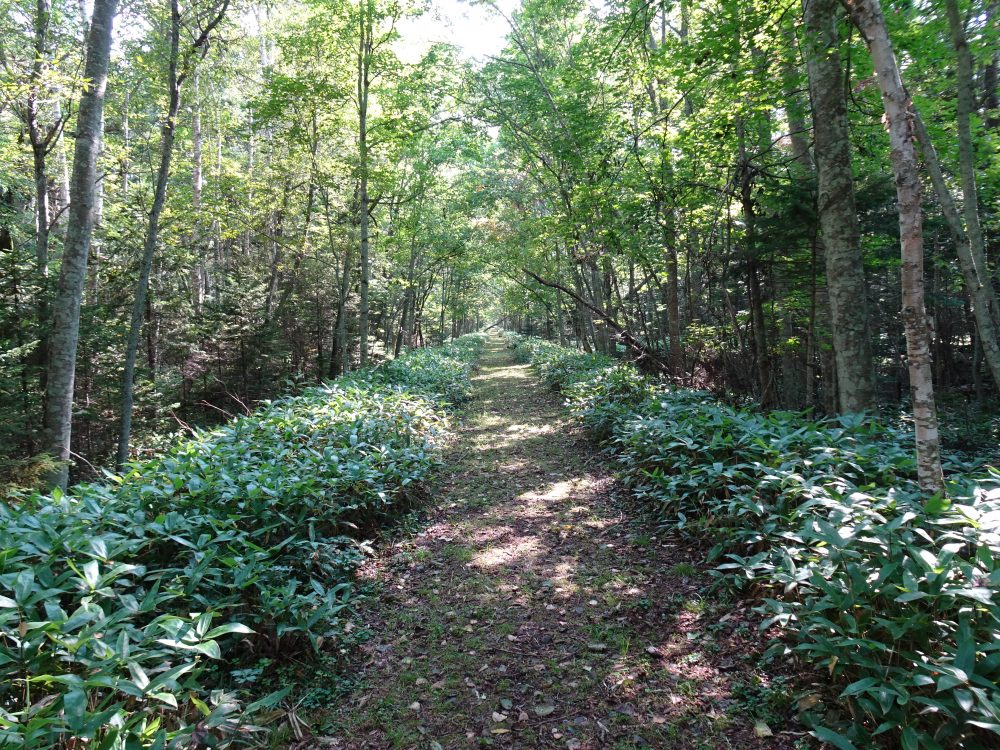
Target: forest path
x,y
529,614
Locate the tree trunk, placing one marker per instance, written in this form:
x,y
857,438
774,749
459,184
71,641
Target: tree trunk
x,y
584,320
444,305
975,271
198,273
175,79
794,109
37,136
73,273
340,360
365,24
277,224
674,309
404,336
417,318
152,236
665,213
978,276
811,328
40,141
42,217
845,277
40,356
602,338
60,145
765,376
867,16
127,143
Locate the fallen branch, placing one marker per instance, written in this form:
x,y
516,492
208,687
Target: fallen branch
x,y
645,358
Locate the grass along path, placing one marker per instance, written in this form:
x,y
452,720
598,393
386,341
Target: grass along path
x,y
529,613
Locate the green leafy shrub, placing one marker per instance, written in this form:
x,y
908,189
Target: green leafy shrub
x,y
118,599
442,371
891,592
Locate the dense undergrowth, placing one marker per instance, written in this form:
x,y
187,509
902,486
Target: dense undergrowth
x,y
120,601
891,593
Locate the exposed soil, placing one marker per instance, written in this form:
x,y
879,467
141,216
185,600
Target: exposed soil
x,y
531,613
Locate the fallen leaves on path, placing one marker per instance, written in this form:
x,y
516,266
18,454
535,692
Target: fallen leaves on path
x,y
528,613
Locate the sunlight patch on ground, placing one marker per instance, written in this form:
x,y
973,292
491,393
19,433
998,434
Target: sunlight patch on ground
x,y
515,467
559,491
490,534
517,551
543,429
543,502
508,373
564,574
509,439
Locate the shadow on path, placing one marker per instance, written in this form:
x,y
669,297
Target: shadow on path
x,y
530,614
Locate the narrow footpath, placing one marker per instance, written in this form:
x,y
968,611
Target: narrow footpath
x,y
532,613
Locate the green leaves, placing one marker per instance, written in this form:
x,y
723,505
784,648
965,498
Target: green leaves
x,y
833,738
119,601
895,593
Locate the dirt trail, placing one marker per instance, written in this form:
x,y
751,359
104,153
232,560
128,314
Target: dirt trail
x,y
529,613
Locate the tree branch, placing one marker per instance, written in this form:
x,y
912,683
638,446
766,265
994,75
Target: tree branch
x,y
645,357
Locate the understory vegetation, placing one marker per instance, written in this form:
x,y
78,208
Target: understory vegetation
x,y
125,603
889,590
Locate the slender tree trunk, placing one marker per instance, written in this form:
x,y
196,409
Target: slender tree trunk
x,y
674,311
37,136
841,236
341,363
978,275
409,313
60,145
175,80
975,271
127,142
42,218
364,60
40,145
198,273
810,348
664,212
73,273
277,225
251,170
445,278
584,317
417,318
765,376
867,16
40,356
560,326
340,360
672,291
597,324
151,239
404,335
977,354
794,109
